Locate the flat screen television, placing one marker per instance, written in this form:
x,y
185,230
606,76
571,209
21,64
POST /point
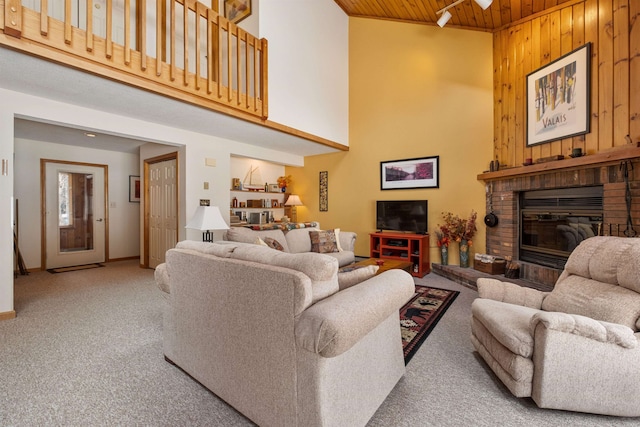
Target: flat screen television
x,y
402,215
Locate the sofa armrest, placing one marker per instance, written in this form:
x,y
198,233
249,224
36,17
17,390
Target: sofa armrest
x,y
161,276
347,240
605,332
510,293
333,325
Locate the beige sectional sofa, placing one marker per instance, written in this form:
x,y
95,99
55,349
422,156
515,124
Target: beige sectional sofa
x,y
576,348
270,332
295,238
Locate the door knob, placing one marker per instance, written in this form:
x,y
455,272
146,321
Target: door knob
x,y
99,219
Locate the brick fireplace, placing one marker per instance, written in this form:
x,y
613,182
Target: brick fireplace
x,y
602,170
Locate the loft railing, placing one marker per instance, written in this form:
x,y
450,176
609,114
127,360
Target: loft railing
x,y
179,48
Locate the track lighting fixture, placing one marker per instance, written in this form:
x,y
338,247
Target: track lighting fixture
x,y
446,15
442,21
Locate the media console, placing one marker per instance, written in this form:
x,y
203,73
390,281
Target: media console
x,y
413,248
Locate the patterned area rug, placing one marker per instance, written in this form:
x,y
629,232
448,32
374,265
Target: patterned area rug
x,y
421,314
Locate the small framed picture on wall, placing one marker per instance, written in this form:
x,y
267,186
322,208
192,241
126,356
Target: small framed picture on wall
x,y
134,189
236,10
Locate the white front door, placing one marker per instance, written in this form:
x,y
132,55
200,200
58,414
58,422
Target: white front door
x,y
75,222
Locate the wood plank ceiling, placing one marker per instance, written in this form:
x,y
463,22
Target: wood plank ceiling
x,y
466,14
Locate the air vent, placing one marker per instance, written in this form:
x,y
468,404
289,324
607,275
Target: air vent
x,y
586,198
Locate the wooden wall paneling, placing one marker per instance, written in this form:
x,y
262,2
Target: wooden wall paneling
x,y
497,93
527,68
591,35
620,72
510,154
524,35
605,77
536,61
634,70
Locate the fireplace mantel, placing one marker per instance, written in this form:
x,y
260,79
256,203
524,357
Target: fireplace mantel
x,y
613,155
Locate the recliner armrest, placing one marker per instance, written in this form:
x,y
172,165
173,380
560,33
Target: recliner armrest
x,y
333,325
605,332
510,293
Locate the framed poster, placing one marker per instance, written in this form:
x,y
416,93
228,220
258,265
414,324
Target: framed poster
x,y
421,172
236,10
134,189
558,98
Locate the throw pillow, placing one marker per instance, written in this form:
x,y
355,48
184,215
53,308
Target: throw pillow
x,y
353,277
273,244
323,242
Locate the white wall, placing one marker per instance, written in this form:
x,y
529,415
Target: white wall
x,y
195,148
123,215
308,65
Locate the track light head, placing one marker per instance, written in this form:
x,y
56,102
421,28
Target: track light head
x,y
442,21
484,4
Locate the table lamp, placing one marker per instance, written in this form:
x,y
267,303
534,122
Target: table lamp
x,y
293,201
205,219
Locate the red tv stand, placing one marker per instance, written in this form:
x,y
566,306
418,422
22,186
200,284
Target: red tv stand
x,y
413,248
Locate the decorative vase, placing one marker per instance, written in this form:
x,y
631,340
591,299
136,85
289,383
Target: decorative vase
x,y
464,254
444,255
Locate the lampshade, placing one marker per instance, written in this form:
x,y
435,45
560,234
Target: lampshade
x,y
442,21
484,4
293,200
207,218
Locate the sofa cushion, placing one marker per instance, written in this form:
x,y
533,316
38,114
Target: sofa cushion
x,y
591,298
245,235
298,240
323,241
321,269
354,276
507,323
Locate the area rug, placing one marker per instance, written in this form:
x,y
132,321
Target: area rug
x,y
73,268
421,314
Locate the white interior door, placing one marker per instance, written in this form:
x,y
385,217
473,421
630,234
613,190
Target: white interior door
x,y
75,220
163,210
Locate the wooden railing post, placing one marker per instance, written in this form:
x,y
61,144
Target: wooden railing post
x,y
264,81
13,18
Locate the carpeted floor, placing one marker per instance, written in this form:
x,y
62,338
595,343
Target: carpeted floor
x,y
86,350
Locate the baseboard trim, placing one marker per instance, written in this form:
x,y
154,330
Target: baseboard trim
x,y
123,259
7,315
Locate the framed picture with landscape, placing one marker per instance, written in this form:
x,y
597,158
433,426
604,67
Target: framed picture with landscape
x,y
422,172
558,98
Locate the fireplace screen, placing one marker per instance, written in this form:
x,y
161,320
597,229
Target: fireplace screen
x,y
554,222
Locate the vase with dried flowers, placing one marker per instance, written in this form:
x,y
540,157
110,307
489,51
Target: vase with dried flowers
x,y
461,231
442,240
284,182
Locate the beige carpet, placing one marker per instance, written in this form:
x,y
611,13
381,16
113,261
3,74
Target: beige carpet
x,y
85,350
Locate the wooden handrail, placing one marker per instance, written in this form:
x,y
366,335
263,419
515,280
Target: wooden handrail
x,y
232,74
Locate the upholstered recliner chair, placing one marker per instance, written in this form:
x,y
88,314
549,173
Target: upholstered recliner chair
x,y
577,347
